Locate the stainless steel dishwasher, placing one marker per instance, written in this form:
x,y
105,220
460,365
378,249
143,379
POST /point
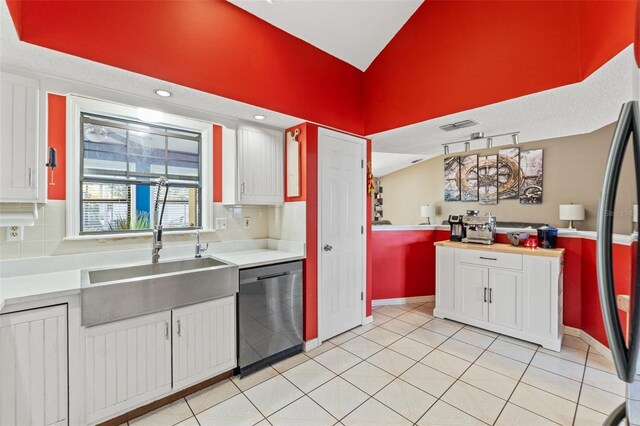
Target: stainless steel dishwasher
x,y
269,315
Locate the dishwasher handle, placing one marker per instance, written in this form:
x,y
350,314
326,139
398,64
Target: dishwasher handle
x,y
266,277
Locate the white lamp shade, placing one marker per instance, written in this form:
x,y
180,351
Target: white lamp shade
x,y
427,211
571,212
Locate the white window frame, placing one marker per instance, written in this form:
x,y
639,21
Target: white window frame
x,y
77,105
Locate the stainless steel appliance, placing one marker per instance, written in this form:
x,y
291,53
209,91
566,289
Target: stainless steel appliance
x,y
457,228
547,236
625,355
479,229
269,315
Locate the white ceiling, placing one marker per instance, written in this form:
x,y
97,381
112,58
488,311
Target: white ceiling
x,y
569,110
383,163
355,31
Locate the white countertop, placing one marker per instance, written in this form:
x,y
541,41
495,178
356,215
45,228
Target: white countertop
x,y
27,287
251,258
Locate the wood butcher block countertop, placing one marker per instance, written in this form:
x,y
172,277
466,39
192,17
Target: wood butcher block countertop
x,y
503,248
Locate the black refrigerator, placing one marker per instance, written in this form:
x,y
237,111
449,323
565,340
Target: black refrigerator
x,y
625,346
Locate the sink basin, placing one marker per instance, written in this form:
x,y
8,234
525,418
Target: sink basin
x,y
112,294
136,271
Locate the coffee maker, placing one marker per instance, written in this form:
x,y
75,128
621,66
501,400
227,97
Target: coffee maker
x,y
457,228
479,229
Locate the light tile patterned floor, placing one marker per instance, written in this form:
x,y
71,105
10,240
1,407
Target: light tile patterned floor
x,y
409,368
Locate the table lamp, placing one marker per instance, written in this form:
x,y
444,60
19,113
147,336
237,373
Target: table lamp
x,y
571,212
427,212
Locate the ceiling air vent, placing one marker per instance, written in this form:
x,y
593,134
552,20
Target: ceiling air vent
x,y
458,125
416,161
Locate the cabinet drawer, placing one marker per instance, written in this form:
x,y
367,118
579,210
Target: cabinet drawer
x,y
488,258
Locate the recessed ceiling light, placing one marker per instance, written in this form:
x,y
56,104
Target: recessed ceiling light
x,y
163,93
259,117
269,1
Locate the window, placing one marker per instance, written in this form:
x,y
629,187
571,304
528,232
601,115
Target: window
x,y
120,162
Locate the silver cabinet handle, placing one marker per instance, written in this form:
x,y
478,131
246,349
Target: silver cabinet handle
x,y
30,177
166,330
242,188
327,247
625,358
488,258
485,295
490,295
179,328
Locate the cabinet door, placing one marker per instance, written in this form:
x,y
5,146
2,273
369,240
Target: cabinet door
x,y
19,139
505,298
472,291
33,367
542,291
128,363
445,278
260,166
204,341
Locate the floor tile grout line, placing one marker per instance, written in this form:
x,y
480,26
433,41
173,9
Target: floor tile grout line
x,y
516,387
192,412
456,381
584,372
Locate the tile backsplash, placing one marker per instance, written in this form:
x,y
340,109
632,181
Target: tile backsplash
x,y
46,238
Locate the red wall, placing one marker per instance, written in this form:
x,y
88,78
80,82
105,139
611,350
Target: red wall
x,y
57,138
212,46
404,266
452,56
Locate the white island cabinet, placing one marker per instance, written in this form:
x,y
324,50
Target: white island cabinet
x,y
515,291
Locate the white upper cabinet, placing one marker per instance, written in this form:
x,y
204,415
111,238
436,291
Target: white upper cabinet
x,y
21,167
253,166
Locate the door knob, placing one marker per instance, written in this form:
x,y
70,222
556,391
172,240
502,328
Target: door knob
x,y
327,247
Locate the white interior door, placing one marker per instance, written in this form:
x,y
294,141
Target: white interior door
x,y
341,188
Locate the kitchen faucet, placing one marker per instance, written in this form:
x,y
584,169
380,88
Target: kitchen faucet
x,y
157,219
199,249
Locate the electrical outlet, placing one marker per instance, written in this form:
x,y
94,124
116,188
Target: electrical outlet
x,y
15,233
247,222
221,223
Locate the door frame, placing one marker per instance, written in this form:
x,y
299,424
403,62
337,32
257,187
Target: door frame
x,y
363,174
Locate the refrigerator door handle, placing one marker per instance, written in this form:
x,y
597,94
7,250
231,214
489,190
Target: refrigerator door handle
x,y
624,358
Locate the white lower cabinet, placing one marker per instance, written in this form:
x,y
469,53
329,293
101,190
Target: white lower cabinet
x,y
509,293
204,341
133,362
33,367
127,363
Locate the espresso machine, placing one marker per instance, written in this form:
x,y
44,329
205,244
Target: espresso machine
x,y
479,229
457,228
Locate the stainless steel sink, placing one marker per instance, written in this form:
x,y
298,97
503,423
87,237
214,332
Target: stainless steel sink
x,y
112,294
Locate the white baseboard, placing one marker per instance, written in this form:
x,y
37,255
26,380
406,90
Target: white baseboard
x,y
310,344
368,320
599,347
403,300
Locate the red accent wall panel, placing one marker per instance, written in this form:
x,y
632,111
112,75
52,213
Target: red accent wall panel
x,y
606,27
15,8
217,164
403,263
451,56
220,49
57,138
311,261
